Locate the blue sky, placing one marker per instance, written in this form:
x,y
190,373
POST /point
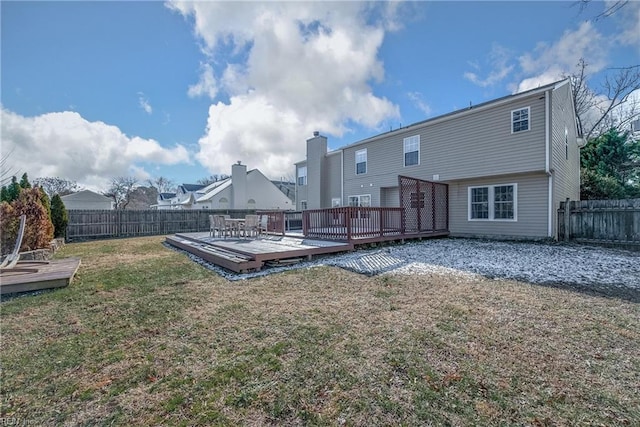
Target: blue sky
x,y
94,90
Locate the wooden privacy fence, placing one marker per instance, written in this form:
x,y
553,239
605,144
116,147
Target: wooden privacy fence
x,y
601,221
105,224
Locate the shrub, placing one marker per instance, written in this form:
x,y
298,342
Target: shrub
x,y
38,228
59,216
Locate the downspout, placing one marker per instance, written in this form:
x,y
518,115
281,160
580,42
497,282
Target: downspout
x,y
547,164
341,177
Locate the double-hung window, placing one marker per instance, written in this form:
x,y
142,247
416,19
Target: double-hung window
x,y
412,150
302,175
520,120
493,203
361,162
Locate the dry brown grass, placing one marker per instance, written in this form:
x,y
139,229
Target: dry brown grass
x,y
157,340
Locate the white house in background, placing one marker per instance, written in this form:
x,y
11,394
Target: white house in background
x,y
242,190
87,199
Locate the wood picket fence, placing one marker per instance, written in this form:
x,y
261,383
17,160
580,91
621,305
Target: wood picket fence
x,y
615,222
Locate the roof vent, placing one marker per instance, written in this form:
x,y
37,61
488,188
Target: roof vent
x,y
316,133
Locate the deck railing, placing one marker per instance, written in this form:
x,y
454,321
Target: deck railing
x,y
350,223
276,223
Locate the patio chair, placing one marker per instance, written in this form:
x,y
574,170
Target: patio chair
x,y
223,227
12,260
212,226
250,225
263,224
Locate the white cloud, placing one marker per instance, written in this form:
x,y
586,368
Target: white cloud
x,y
67,145
549,62
291,68
207,84
144,103
628,17
499,58
420,104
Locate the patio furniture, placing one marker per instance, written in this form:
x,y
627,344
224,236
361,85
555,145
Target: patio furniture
x,y
234,225
250,225
212,226
263,224
220,225
12,259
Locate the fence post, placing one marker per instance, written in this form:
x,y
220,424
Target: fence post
x,y
567,219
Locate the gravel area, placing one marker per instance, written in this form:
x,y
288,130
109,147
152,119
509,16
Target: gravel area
x,y
591,269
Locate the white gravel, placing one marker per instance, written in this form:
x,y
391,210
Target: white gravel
x,y
578,266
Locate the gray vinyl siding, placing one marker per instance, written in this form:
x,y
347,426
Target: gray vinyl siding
x,y
332,179
532,208
566,172
316,170
390,197
476,144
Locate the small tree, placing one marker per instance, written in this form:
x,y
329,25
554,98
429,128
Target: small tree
x,y
59,216
24,181
38,228
610,167
13,190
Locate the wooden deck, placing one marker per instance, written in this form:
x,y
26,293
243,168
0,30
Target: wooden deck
x,y
34,276
243,255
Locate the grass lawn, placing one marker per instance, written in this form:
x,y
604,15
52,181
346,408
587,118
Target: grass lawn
x,y
144,336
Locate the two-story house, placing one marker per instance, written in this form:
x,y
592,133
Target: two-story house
x,y
508,163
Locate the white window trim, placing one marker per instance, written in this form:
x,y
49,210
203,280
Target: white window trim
x,y
366,161
300,169
359,196
306,206
336,202
528,115
491,203
404,150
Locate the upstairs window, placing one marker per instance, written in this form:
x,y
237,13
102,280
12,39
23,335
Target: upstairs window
x,y
361,162
520,120
302,175
412,150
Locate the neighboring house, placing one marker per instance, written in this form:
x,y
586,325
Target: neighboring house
x,y
87,199
242,190
164,201
508,164
288,188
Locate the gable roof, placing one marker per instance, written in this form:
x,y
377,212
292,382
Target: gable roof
x,y
213,189
166,196
86,195
192,187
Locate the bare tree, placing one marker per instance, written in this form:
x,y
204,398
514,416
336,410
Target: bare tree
x,y
120,190
611,8
212,178
162,184
6,170
610,107
56,185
